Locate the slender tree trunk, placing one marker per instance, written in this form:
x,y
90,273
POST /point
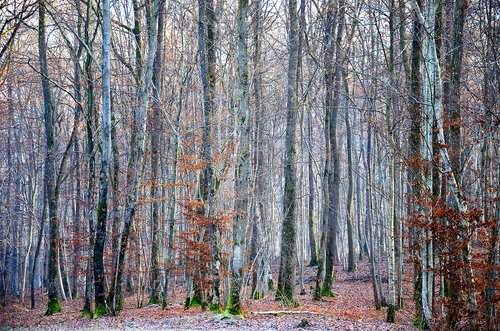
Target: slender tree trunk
x,y
90,150
36,257
390,122
154,278
351,260
137,145
206,46
414,145
50,176
369,214
491,92
259,144
286,279
102,205
313,250
334,84
243,171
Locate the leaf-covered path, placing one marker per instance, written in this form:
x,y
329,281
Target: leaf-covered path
x,y
352,309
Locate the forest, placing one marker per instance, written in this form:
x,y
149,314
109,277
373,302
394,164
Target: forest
x,y
250,164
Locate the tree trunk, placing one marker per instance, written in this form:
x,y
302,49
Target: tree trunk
x,y
414,146
102,205
286,279
137,145
206,46
154,278
90,150
234,306
50,176
313,250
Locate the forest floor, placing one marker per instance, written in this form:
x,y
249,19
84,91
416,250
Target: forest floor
x,y
352,309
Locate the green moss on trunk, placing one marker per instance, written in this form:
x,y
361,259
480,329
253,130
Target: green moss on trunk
x,y
187,303
391,314
231,309
86,313
286,300
154,299
419,322
215,308
326,291
196,301
99,311
121,303
53,307
270,284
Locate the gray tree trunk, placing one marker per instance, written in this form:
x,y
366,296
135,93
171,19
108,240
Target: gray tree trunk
x,y
206,47
234,306
50,172
286,279
102,205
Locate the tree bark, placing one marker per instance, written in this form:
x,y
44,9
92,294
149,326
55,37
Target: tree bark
x,y
234,306
154,278
102,205
286,279
137,145
54,305
206,46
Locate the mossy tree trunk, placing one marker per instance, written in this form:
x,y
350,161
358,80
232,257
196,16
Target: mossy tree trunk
x,y
333,84
206,47
54,305
91,122
414,142
234,305
260,156
102,204
137,139
155,131
286,279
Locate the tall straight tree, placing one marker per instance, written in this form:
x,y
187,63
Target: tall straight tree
x,y
452,110
328,50
155,162
286,279
91,120
137,145
414,142
432,97
491,91
390,122
54,305
102,205
332,102
259,147
243,169
206,48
